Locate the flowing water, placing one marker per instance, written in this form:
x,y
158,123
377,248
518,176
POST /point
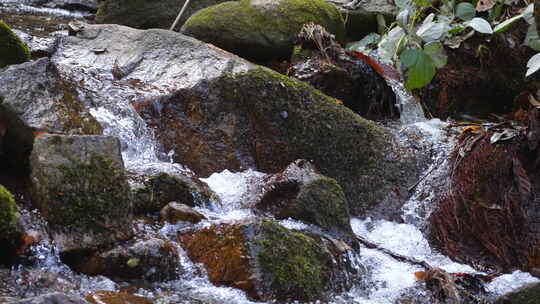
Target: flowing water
x,y
383,278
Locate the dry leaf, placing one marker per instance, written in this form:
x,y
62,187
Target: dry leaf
x,y
534,102
473,129
420,275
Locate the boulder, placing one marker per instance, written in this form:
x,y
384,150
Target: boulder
x,y
175,212
302,193
261,30
152,191
270,262
351,77
143,14
79,186
12,49
213,111
150,259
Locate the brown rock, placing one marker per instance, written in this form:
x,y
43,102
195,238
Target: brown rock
x,y
175,212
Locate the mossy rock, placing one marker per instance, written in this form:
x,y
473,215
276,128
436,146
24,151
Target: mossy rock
x,y
12,49
8,212
144,14
270,262
79,185
262,30
301,193
152,192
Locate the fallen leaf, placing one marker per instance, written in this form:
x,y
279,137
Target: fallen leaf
x,y
420,275
484,5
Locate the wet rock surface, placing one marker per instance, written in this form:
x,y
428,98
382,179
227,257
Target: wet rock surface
x,y
270,262
151,192
261,30
79,186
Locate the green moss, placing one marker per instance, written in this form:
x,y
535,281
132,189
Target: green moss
x,y
12,49
89,195
8,212
322,202
295,263
74,116
257,33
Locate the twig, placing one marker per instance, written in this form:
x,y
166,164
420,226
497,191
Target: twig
x,y
411,188
179,15
396,256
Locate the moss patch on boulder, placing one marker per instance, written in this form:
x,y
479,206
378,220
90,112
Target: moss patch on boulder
x,y
8,212
12,49
262,29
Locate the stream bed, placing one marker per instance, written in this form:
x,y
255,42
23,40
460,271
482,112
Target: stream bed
x,y
384,279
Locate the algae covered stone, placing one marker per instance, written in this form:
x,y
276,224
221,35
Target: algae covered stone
x,y
261,30
79,186
12,49
8,212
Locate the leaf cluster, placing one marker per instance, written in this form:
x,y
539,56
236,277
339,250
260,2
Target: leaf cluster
x,y
416,41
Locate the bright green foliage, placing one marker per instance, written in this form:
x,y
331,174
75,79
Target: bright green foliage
x,y
8,212
420,68
12,49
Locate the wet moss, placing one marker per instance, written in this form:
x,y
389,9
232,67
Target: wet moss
x,y
262,33
293,263
8,212
89,195
12,49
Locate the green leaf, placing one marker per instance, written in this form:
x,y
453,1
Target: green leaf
x,y
528,14
465,11
388,45
533,65
422,3
503,26
421,68
435,50
480,25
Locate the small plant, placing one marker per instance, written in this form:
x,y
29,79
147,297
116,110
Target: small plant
x,y
415,42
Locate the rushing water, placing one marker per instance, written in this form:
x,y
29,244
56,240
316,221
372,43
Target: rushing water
x,y
383,280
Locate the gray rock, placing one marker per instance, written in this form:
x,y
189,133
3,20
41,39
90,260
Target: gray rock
x,y
528,294
52,298
35,98
79,186
144,14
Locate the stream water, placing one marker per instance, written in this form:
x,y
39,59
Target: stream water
x,y
383,279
